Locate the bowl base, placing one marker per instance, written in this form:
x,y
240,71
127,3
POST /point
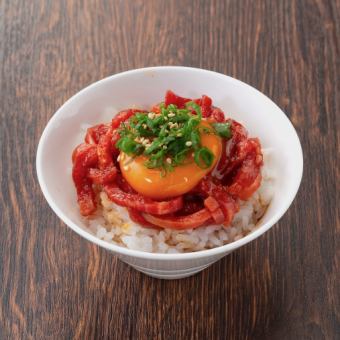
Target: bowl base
x,y
169,275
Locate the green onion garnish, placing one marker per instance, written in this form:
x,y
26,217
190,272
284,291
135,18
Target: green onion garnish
x,y
170,137
222,129
204,157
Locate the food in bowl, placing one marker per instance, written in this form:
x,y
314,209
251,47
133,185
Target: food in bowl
x,y
178,177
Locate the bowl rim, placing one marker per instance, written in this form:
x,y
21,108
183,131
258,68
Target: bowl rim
x,y
220,250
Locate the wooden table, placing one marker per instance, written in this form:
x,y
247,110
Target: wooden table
x,y
56,285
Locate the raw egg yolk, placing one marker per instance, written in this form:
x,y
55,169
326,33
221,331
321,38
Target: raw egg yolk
x,y
182,179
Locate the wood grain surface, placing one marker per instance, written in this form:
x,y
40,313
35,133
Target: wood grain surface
x,y
56,285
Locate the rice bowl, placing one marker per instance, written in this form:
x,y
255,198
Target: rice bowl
x,y
244,102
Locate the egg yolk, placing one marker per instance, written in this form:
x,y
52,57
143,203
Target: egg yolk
x,y
182,179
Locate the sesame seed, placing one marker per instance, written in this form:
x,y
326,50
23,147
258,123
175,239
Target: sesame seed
x,y
171,114
168,160
165,118
173,125
179,135
165,147
188,143
144,126
151,115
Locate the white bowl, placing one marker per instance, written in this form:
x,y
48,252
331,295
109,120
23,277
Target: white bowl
x,y
143,87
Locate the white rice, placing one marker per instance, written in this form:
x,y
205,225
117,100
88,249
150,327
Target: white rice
x,y
112,223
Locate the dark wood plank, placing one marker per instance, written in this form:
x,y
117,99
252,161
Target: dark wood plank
x,y
55,285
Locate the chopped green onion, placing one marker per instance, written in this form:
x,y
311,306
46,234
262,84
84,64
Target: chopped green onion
x,y
203,158
195,139
129,146
168,137
180,157
222,129
156,144
196,107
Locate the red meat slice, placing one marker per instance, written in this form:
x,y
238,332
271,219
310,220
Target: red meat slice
x,y
172,98
122,116
94,133
84,157
211,204
137,217
141,203
180,222
104,176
